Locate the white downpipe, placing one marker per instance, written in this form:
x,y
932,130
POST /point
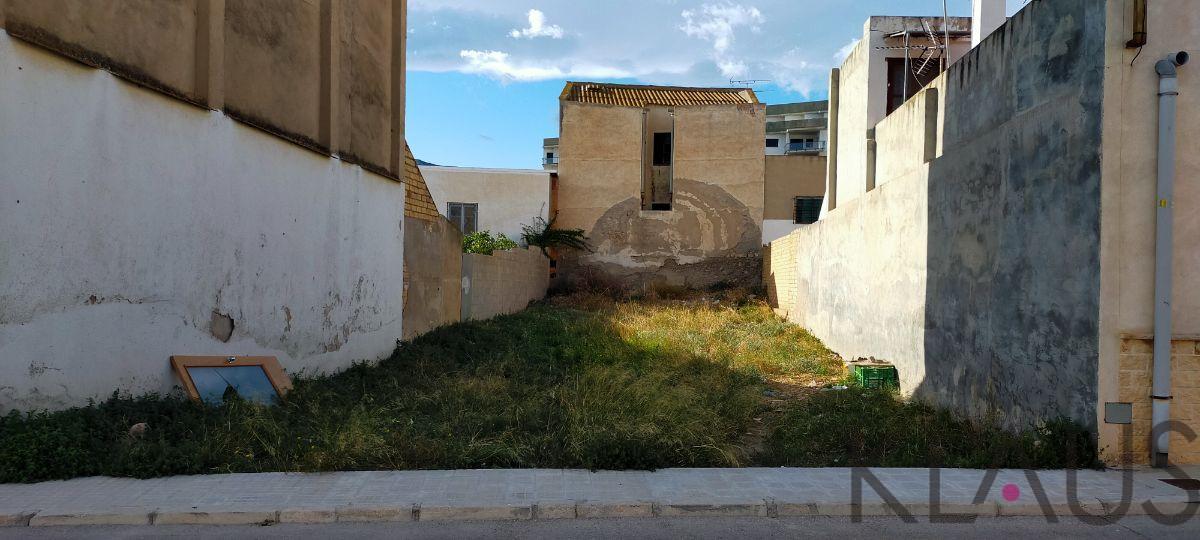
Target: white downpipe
x,y
1164,255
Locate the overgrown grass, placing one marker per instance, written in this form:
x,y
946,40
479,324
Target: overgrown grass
x,y
861,427
580,381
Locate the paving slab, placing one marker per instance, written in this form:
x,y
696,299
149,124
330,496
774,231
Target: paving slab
x,y
549,494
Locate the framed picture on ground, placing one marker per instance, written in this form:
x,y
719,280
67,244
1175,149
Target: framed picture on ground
x,y
214,379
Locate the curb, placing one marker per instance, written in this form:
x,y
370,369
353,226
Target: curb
x,y
557,510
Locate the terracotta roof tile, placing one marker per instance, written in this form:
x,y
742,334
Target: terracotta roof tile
x,y
625,95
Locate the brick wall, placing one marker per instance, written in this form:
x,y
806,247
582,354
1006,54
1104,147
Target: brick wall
x,y
504,282
1135,378
779,272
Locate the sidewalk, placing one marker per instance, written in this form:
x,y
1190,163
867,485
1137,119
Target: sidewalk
x,y
568,494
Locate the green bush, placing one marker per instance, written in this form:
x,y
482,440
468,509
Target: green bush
x,y
483,243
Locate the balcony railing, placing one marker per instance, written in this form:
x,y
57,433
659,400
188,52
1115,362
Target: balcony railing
x,y
802,147
550,161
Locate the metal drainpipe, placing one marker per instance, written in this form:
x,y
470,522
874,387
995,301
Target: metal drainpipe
x,y
1168,90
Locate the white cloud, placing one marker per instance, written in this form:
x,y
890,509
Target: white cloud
x,y
718,23
842,53
500,65
537,27
677,42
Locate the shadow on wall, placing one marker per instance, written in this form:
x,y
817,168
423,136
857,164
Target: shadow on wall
x,y
708,239
1012,292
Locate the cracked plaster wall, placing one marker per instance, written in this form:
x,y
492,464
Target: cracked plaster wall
x,y
131,218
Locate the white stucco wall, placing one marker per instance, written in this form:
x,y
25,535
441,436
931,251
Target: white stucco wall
x,y
128,218
507,198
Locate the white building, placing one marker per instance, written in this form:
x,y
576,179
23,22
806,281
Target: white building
x,y
797,128
495,200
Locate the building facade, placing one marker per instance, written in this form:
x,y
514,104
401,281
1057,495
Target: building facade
x,y
497,200
667,182
795,166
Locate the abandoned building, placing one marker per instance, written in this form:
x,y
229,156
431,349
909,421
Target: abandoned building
x,y
794,173
1004,235
667,182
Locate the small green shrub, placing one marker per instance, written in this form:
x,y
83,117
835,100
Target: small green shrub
x,y
483,243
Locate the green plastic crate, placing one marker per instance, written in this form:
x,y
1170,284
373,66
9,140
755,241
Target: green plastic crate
x,y
876,376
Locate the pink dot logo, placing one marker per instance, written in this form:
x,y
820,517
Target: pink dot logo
x,y
1011,492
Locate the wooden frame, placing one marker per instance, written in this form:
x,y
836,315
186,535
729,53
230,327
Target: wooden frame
x,y
269,364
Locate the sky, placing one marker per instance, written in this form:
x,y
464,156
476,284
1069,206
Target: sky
x,y
484,76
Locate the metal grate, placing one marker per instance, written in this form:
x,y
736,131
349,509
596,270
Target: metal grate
x,y
808,210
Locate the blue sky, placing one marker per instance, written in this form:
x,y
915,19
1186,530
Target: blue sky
x,y
484,75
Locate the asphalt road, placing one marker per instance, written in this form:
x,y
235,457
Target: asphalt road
x,y
665,528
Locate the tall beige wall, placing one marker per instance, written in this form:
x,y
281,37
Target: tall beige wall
x,y
325,74
432,275
507,198
712,234
503,282
136,226
1129,207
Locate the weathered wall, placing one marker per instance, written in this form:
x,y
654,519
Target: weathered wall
x,y
503,282
1129,207
978,273
133,222
432,271
859,275
785,178
507,198
713,233
325,74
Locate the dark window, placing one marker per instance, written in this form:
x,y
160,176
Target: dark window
x,y
662,150
898,93
464,215
808,210
549,155
772,143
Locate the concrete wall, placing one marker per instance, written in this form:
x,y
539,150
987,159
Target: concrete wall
x,y
978,272
714,231
135,225
325,74
1129,207
433,261
503,282
507,198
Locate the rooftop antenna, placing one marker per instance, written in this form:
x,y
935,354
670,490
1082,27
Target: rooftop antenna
x,y
746,83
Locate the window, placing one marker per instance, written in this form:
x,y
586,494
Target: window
x,y
662,150
808,210
465,215
772,143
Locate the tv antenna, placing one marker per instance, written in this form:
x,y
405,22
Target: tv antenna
x,y
747,82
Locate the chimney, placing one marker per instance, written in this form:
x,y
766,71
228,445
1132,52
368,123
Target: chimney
x,y
986,17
